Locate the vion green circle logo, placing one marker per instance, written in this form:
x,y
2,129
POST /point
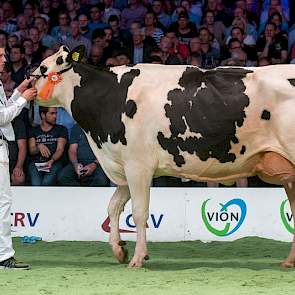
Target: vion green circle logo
x,y
227,217
286,217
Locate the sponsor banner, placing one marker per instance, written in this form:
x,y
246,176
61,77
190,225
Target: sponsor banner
x,y
176,214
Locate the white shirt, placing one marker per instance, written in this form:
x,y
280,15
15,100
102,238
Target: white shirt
x,y
9,109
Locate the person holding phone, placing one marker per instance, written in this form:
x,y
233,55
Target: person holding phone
x,y
84,169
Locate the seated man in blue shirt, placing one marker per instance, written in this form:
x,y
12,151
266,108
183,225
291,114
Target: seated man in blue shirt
x,y
84,169
47,143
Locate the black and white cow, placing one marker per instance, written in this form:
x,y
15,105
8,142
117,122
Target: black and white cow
x,y
145,121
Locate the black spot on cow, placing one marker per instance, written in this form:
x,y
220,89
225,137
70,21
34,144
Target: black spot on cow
x,y
265,115
243,150
130,108
59,60
292,81
101,100
210,104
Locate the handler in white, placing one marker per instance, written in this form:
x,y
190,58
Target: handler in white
x,y
8,111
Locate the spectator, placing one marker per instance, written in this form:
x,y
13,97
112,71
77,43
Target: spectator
x,y
96,57
46,145
184,29
110,10
217,28
3,39
150,29
29,13
162,17
134,12
46,39
99,38
76,38
111,62
251,14
246,43
8,83
239,14
139,49
240,56
62,31
22,28
168,57
12,40
122,57
18,152
273,46
120,36
195,46
72,6
9,18
18,64
34,35
210,55
180,49
84,26
239,32
96,21
194,18
194,59
84,169
271,6
29,53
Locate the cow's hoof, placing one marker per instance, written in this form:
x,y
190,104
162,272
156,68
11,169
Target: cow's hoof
x,y
121,254
288,264
122,243
137,262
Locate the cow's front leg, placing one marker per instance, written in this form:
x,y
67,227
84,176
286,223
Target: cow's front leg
x,y
116,206
139,181
290,260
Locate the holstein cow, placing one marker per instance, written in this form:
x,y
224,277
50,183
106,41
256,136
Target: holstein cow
x,y
144,121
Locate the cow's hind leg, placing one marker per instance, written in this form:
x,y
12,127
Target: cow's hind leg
x,y
274,168
139,179
290,260
116,206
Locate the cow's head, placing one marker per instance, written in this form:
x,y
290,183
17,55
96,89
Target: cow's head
x,y
56,79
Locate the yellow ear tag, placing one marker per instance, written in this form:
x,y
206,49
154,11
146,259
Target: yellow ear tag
x,y
75,56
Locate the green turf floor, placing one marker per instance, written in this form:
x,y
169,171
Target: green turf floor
x,y
247,266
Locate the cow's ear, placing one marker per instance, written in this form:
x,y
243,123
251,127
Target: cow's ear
x,y
76,54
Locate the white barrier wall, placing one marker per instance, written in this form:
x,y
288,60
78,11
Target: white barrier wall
x,y
176,214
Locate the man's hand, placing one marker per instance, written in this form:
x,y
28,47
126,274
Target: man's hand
x,y
24,85
18,171
29,94
78,167
49,164
89,169
44,150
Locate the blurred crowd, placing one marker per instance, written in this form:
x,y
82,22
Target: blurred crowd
x,y
205,33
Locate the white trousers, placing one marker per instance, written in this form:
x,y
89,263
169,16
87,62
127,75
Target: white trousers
x,y
6,250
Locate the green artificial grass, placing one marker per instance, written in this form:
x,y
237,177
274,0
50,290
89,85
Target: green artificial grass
x,y
246,266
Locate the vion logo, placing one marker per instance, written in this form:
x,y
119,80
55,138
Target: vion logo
x,y
286,217
225,221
